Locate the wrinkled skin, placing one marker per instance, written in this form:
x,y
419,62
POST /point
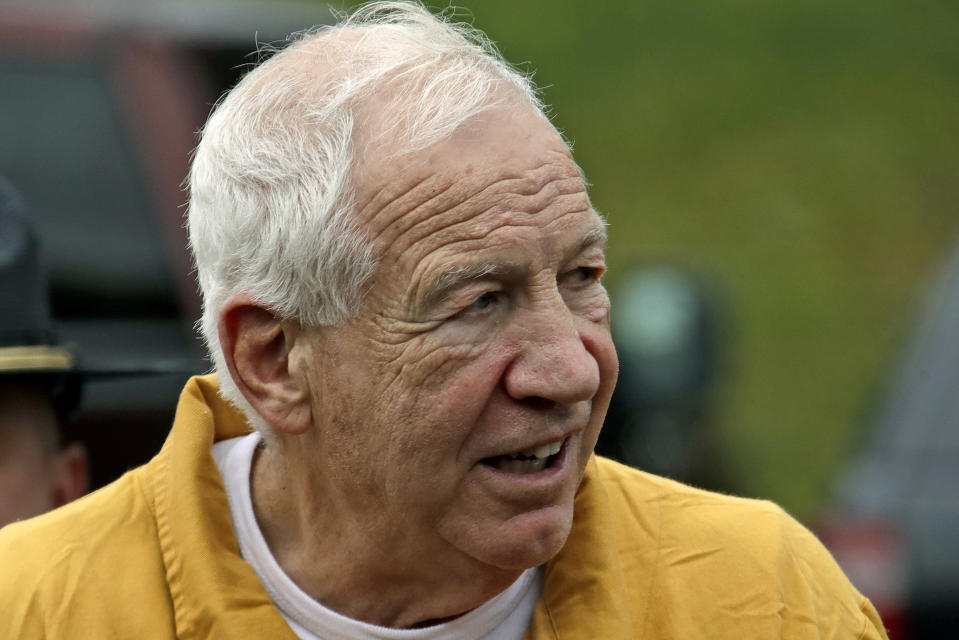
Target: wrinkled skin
x,y
485,332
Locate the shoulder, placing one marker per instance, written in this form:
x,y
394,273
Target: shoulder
x,y
87,526
692,515
642,499
79,554
747,557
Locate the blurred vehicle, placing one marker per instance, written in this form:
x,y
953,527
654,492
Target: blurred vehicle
x,y
895,522
99,105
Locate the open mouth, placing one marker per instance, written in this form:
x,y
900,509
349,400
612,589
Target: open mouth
x,y
530,461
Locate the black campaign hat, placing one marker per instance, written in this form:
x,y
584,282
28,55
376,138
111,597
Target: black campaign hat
x,y
28,342
29,346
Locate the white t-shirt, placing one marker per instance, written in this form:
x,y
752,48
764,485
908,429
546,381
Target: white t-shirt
x,y
505,617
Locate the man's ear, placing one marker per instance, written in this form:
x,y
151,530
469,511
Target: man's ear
x,y
70,477
256,345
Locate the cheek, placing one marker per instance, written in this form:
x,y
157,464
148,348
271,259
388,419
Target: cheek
x,y
607,358
444,391
433,365
591,304
24,486
445,387
431,409
599,343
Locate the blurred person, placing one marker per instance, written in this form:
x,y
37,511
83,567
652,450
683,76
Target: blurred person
x,y
402,298
38,472
39,468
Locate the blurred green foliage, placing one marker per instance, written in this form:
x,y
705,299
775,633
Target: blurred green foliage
x,y
803,154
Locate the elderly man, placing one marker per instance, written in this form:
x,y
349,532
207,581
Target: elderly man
x,y
401,278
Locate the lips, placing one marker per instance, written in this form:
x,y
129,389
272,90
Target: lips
x,y
527,461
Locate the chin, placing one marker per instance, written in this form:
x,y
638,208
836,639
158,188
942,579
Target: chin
x,y
527,540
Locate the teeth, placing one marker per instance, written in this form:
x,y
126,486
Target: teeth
x,y
511,465
529,461
544,451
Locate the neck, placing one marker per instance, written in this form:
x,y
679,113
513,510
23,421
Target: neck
x,y
385,576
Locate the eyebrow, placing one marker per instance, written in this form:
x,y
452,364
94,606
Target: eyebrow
x,y
455,277
596,236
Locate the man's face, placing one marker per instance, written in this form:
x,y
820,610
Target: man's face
x,y
27,452
483,339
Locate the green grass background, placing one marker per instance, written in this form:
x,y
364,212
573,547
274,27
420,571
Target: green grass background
x,y
803,155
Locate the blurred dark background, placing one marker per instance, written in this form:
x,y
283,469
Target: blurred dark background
x,y
781,184
99,107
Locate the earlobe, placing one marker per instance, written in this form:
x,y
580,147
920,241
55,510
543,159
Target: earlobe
x,y
71,480
257,346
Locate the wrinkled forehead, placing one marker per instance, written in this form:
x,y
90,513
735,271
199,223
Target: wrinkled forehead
x,y
503,195
502,156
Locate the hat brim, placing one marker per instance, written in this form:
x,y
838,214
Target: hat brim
x,y
27,359
57,360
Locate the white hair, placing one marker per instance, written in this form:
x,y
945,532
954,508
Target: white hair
x,y
271,192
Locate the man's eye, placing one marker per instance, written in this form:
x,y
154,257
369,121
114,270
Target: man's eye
x,y
481,305
584,274
483,302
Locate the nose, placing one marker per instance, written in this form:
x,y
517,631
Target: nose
x,y
553,363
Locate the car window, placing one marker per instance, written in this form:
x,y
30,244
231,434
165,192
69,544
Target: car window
x,y
64,144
